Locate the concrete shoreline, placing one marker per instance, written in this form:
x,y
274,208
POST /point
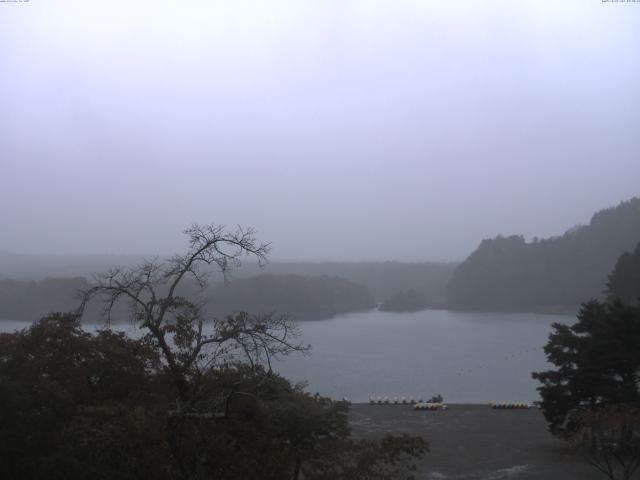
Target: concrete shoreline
x,y
476,442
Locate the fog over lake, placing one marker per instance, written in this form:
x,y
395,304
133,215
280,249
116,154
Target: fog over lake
x,y
424,193
467,357
343,131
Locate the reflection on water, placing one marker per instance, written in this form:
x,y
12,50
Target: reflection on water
x,y
465,357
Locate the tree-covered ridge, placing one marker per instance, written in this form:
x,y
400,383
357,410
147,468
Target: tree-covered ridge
x,y
302,297
624,281
383,279
509,273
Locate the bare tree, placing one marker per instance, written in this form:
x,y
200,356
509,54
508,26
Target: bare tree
x,y
190,342
167,301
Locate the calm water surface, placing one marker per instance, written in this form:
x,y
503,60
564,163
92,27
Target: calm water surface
x,y
466,357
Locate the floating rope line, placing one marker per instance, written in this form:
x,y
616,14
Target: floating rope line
x,y
393,401
509,405
430,406
405,401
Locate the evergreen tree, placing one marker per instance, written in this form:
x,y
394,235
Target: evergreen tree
x,y
624,281
597,363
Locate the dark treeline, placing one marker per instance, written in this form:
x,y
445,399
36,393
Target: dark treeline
x,y
304,298
558,273
503,273
383,279
305,290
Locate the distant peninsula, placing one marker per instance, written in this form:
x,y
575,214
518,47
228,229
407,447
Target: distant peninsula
x,y
302,297
405,301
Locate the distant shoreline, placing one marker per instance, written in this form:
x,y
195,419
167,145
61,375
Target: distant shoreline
x,y
536,311
566,312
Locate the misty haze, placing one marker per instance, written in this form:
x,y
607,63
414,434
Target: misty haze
x,y
320,240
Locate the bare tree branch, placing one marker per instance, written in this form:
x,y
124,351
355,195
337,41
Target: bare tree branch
x,y
192,344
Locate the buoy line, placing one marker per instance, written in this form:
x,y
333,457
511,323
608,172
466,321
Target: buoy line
x,y
509,405
394,401
430,406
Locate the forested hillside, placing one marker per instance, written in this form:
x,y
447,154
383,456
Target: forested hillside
x,y
558,273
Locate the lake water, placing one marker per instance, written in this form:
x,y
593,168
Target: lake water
x,y
464,356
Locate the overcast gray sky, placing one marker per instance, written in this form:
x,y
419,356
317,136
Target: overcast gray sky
x,y
362,130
